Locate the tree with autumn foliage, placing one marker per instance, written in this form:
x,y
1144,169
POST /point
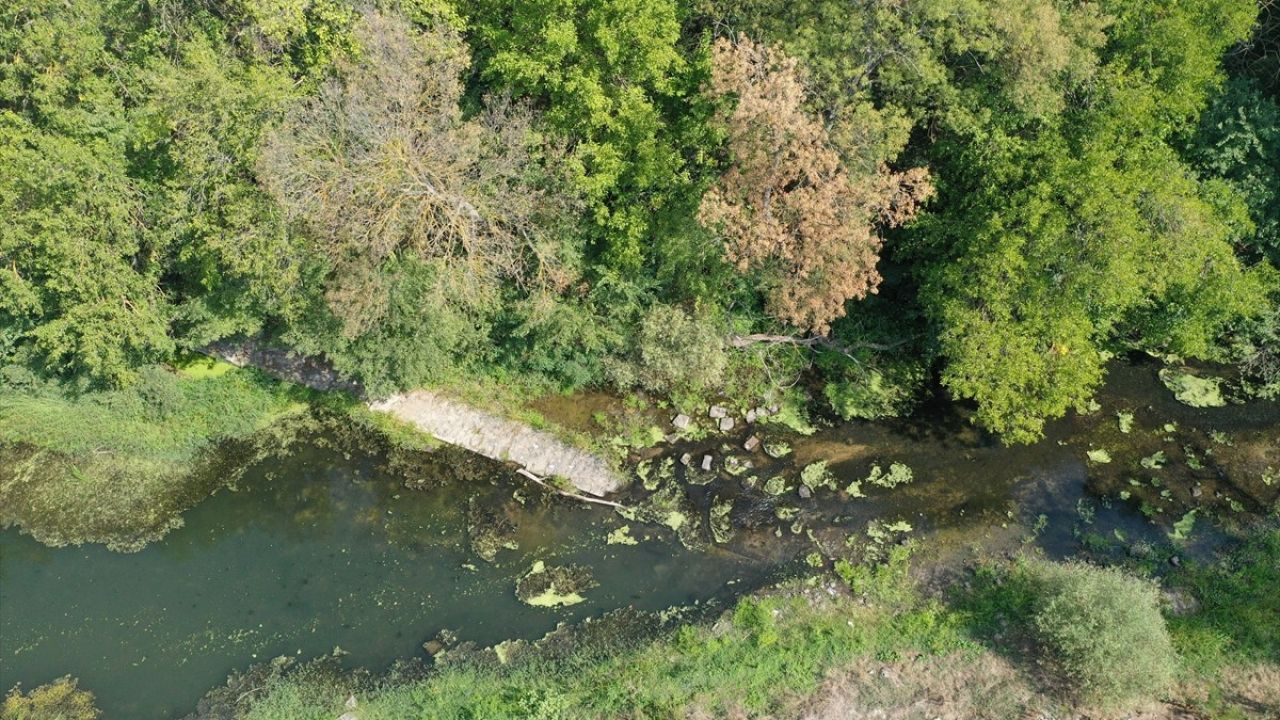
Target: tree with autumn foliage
x,y
788,209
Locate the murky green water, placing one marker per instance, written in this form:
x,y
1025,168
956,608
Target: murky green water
x,y
322,549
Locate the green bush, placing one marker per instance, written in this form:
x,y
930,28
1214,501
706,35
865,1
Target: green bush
x,y
870,394
675,352
1100,632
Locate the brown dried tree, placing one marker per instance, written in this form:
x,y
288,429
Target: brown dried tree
x,y
787,208
382,162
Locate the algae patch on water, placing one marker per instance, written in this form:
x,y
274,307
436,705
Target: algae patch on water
x,y
898,474
1099,456
554,585
1194,391
622,536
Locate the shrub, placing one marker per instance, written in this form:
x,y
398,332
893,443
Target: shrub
x,y
1100,632
677,352
871,394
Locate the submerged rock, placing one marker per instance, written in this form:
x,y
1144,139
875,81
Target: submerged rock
x,y
488,530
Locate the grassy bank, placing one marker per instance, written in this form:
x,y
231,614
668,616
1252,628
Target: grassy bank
x,y
115,466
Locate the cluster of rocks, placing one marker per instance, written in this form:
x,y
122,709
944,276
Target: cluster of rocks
x,y
725,422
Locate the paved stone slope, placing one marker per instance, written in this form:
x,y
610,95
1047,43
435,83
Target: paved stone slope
x,y
502,439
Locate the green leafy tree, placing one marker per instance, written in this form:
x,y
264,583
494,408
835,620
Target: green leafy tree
x,y
616,83
80,287
1056,241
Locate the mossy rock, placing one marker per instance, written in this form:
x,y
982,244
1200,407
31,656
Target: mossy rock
x,y
721,524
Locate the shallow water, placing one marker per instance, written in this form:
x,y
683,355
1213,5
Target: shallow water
x,y
325,549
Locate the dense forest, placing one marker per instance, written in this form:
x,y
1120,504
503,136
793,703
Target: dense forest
x,y
688,197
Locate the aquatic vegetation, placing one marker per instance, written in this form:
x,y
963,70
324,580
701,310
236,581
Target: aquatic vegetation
x,y
1193,460
1182,528
1099,456
1192,390
621,536
57,700
721,522
670,507
776,485
786,513
1154,461
777,450
736,466
488,530
793,416
816,475
554,585
1125,421
881,532
898,474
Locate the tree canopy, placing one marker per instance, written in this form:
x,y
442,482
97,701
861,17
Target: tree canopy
x,y
999,195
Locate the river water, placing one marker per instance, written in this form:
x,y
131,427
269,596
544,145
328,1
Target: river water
x,y
323,548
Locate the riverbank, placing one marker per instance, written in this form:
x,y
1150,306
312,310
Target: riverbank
x,y
118,467
865,641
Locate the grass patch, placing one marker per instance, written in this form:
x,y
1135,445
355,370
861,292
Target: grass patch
x,y
115,466
772,651
1238,620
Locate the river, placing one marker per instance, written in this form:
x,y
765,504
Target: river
x,y
322,548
